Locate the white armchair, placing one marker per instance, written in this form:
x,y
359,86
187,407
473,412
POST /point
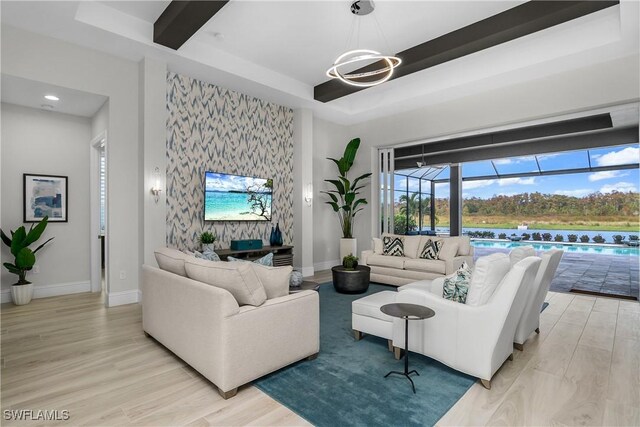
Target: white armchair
x,y
475,340
530,320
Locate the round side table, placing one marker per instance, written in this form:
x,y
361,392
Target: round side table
x,y
407,312
354,281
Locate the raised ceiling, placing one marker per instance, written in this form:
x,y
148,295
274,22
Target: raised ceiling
x,y
280,50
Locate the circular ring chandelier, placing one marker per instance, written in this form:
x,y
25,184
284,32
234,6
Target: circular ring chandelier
x,y
364,79
375,67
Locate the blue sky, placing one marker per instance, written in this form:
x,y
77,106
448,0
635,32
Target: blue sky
x,y
570,184
223,182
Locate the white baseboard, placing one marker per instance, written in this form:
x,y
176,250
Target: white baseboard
x,y
52,290
326,265
123,297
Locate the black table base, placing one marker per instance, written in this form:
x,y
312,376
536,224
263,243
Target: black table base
x,y
406,372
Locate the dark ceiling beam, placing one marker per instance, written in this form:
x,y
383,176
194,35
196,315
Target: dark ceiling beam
x,y
511,24
545,130
597,139
182,19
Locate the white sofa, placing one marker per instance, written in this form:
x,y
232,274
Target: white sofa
x,y
530,320
398,271
477,339
229,344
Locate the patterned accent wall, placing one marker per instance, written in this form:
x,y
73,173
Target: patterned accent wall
x,y
216,129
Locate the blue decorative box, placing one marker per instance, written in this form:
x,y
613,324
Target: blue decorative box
x,y
245,245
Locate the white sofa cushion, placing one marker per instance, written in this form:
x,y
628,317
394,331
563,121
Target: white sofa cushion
x,y
412,246
239,278
376,245
369,306
487,274
464,245
274,279
434,265
172,260
520,253
449,249
387,261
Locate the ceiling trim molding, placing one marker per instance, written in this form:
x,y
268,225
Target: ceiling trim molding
x,y
182,19
511,24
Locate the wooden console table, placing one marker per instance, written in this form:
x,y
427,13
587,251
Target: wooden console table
x,y
282,255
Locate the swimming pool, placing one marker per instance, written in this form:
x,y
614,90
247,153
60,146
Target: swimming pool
x,y
577,248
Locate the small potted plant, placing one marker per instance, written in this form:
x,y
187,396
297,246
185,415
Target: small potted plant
x,y
25,258
207,239
350,262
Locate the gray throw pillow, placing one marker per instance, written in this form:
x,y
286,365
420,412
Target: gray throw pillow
x,y
208,255
265,260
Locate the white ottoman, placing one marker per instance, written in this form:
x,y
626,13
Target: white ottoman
x,y
366,317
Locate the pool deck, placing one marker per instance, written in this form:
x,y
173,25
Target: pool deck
x,y
615,275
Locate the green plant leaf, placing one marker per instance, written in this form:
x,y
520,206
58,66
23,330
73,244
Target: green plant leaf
x,y
346,183
17,241
36,232
349,198
337,184
359,202
5,238
335,206
333,196
25,259
350,152
12,268
42,245
360,178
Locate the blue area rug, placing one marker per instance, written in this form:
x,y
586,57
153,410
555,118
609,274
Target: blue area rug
x,y
345,385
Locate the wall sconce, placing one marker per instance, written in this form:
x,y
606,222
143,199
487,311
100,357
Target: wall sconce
x,y
156,189
308,194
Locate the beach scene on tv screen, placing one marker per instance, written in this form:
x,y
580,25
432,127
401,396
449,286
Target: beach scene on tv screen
x,y
237,198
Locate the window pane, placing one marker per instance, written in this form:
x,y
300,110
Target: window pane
x,y
612,156
443,174
442,206
473,169
561,161
399,182
516,165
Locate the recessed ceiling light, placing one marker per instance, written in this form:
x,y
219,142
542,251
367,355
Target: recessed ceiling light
x,y
52,98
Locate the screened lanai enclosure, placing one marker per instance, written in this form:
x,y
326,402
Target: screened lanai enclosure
x,y
417,190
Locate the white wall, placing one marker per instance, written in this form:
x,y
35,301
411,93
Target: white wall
x,y
44,59
302,177
329,140
45,142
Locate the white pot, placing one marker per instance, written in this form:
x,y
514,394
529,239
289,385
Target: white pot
x,y
208,247
348,246
22,294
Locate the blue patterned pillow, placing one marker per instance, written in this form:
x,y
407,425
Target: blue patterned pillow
x,y
208,255
456,286
265,260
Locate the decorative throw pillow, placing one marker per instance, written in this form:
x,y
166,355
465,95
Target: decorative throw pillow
x,y
455,287
265,260
275,280
208,255
431,249
392,246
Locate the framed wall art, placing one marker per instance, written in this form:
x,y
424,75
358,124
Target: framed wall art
x,y
45,195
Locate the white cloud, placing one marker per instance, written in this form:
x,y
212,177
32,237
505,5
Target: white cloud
x,y
622,157
581,192
470,185
516,181
599,176
623,187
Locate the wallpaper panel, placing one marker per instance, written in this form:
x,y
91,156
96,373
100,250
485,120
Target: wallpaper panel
x,y
216,129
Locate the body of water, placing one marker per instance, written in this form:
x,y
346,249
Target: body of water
x,y
590,249
230,206
608,235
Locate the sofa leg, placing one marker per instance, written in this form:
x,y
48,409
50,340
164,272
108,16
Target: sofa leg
x,y
358,335
390,345
397,353
537,330
312,357
518,346
511,357
486,384
228,394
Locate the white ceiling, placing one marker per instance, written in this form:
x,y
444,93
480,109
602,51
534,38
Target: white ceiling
x,y
30,93
279,50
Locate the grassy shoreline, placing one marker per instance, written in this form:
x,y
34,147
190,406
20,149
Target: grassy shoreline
x,y
621,224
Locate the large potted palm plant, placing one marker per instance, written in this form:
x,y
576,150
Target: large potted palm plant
x,y
345,199
25,258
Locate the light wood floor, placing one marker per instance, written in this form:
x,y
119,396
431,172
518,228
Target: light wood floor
x,y
71,353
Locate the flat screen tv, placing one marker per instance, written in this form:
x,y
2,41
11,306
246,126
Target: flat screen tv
x,y
236,198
